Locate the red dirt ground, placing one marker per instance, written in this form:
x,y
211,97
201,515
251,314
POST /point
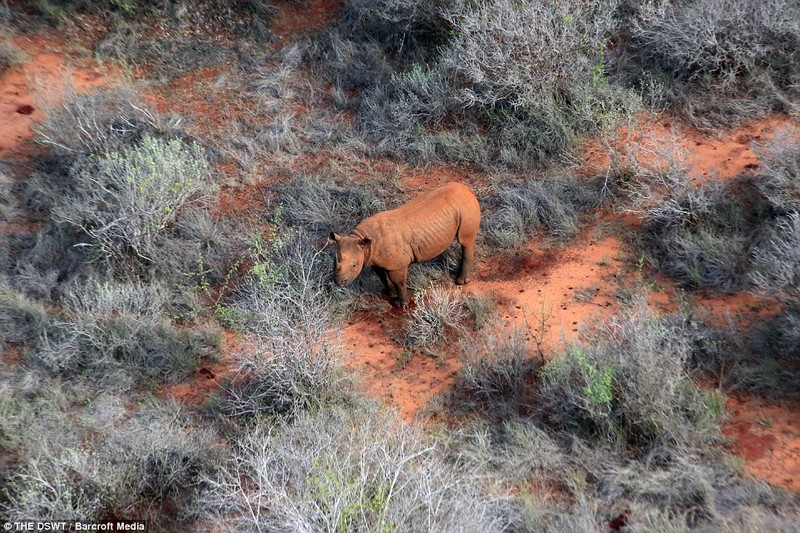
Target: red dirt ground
x,y
296,17
47,66
767,434
725,155
208,378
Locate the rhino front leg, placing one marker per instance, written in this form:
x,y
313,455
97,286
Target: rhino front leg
x,y
398,279
467,262
388,286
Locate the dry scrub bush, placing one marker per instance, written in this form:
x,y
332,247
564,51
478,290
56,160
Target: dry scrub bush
x,y
355,470
690,494
725,61
10,55
777,259
497,369
760,361
779,175
727,39
285,304
125,200
767,361
698,233
521,208
631,385
710,236
319,205
618,424
516,449
121,182
22,319
476,82
656,183
544,60
7,198
85,455
439,312
107,120
120,334
266,129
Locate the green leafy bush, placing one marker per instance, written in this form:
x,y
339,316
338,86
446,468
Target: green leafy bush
x,y
631,385
124,200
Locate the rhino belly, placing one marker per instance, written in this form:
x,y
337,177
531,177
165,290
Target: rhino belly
x,y
429,244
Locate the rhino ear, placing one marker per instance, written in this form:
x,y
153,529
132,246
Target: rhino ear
x,y
334,237
366,241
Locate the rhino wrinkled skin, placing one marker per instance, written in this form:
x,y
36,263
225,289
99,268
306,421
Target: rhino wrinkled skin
x,y
414,232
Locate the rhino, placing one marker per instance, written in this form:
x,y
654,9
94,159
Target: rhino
x,y
417,231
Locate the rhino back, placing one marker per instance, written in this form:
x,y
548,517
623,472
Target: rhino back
x,y
422,228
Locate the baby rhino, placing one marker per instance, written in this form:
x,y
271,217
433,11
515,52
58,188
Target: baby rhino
x,y
417,231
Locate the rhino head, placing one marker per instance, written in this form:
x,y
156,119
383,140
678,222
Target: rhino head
x,y
349,259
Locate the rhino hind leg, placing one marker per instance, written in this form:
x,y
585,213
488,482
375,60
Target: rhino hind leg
x,y
398,279
467,260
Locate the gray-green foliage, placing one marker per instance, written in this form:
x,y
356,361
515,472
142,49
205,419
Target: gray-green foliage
x,y
357,470
477,82
85,455
114,333
723,61
521,208
631,385
125,199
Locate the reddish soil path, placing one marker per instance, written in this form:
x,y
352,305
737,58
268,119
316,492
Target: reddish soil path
x,y
46,70
767,436
295,17
725,155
